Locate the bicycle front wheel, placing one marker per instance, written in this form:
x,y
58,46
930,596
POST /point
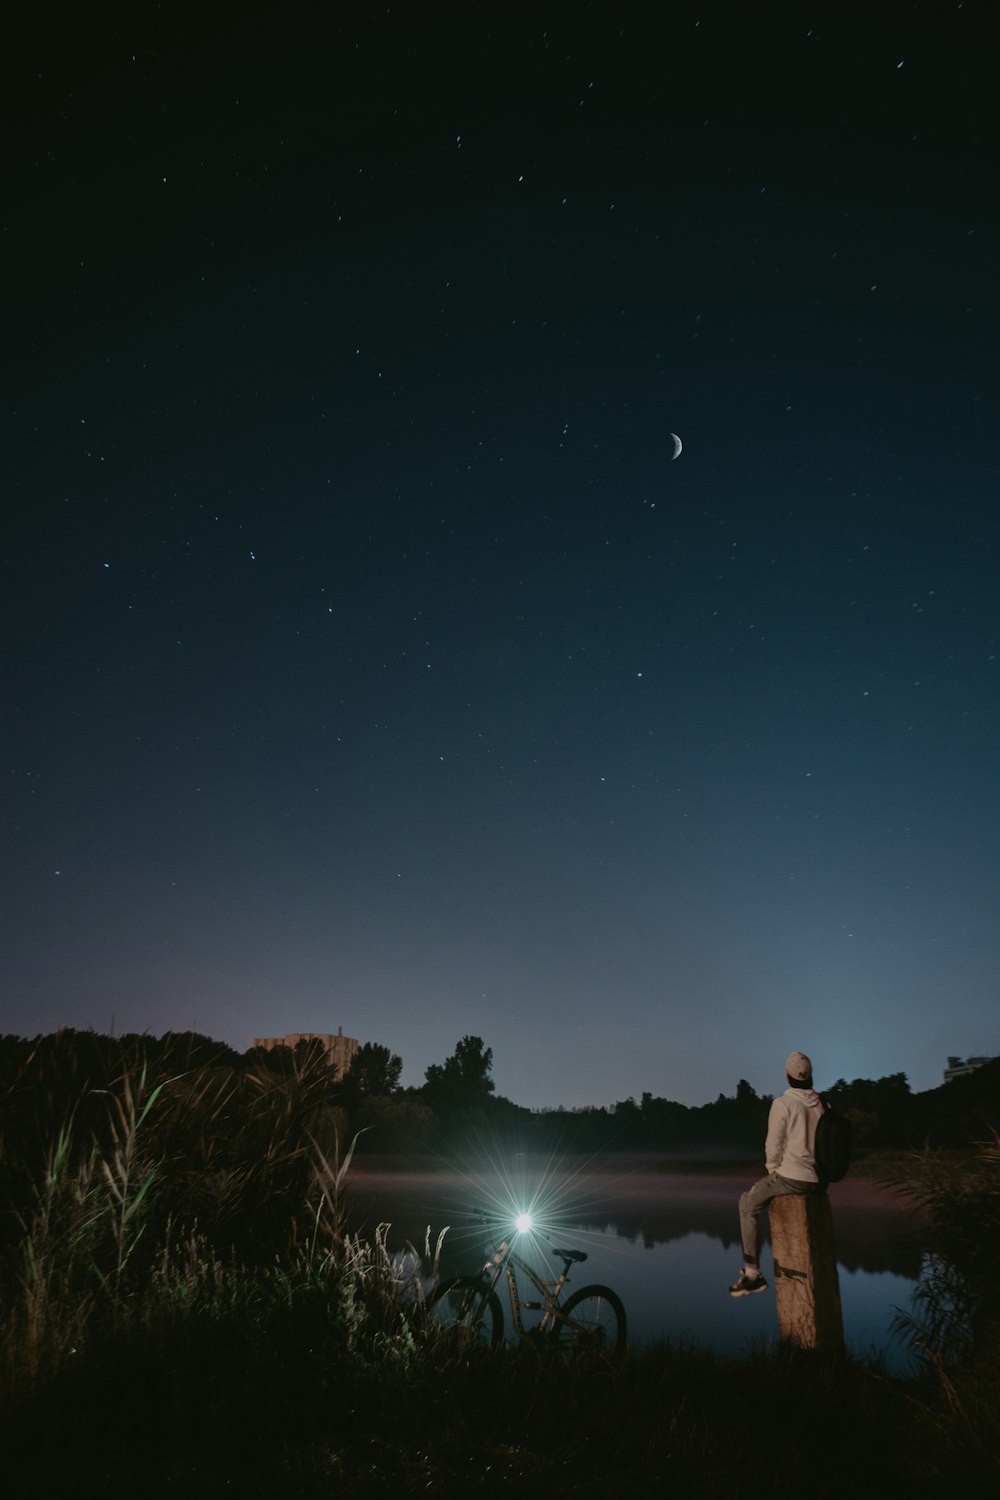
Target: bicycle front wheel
x,y
593,1318
467,1306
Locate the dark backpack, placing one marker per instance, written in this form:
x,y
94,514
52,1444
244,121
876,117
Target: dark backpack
x,y
832,1150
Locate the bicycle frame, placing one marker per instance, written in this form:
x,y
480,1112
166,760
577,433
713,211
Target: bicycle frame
x,y
506,1261
592,1317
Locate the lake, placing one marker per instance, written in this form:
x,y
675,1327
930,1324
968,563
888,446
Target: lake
x,y
665,1238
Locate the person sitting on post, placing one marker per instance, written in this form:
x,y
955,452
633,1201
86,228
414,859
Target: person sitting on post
x,y
790,1160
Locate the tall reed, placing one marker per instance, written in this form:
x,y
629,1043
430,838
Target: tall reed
x,y
955,1326
109,1246
956,1316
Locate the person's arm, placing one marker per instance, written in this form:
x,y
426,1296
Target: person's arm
x,y
777,1127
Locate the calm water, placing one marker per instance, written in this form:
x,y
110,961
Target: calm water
x,y
666,1242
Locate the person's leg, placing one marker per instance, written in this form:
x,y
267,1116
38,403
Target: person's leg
x,y
751,1203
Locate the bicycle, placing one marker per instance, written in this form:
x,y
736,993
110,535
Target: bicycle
x,y
593,1317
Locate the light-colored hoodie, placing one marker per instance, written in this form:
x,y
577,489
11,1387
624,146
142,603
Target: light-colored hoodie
x,y
791,1134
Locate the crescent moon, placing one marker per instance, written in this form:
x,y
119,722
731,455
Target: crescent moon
x,y
678,447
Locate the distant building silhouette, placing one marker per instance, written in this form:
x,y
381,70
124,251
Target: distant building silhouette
x,y
340,1049
959,1066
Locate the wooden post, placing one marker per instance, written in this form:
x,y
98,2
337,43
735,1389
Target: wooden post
x,y
806,1287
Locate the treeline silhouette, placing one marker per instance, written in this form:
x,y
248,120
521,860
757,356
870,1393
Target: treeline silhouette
x,y
225,1111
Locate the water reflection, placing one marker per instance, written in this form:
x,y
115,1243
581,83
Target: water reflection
x,y
667,1242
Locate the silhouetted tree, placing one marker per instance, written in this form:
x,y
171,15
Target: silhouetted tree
x,y
374,1070
463,1082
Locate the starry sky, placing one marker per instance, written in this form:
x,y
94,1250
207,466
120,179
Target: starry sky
x,y
368,659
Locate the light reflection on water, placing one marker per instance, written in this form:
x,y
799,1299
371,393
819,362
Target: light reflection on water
x,y
668,1244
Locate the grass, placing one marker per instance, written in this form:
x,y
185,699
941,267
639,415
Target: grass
x,y
140,1349
272,1390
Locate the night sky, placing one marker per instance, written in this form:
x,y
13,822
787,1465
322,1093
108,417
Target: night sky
x,y
368,659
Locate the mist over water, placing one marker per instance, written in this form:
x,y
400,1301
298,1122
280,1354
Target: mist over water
x,y
666,1241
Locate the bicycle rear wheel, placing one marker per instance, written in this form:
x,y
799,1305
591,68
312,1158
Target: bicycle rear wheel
x,y
593,1318
466,1306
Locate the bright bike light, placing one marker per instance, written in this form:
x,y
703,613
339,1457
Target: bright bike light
x,y
523,1223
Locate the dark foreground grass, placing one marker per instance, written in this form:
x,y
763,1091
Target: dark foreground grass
x,y
290,1400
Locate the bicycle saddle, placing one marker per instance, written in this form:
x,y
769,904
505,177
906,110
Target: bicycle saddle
x,y
570,1254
